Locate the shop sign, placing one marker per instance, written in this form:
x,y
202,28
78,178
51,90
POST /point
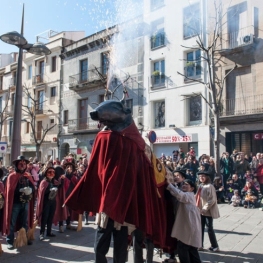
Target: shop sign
x,y
258,136
174,139
28,148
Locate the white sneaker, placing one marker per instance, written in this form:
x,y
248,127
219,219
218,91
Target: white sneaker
x,y
214,249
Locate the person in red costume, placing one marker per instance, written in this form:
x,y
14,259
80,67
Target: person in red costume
x,y
119,185
46,202
19,204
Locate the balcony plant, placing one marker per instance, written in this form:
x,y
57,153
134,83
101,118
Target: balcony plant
x,y
190,64
156,73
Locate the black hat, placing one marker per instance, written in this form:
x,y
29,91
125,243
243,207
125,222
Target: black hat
x,y
20,158
191,183
205,173
181,171
49,168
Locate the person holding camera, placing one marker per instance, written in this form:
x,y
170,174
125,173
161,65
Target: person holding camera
x,y
19,203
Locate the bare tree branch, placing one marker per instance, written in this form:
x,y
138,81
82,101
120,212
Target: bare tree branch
x,y
196,80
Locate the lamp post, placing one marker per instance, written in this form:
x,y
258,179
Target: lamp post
x,y
14,38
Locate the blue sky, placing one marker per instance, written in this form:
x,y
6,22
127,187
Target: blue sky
x,y
67,15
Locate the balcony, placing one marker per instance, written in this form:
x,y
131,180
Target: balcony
x,y
238,40
87,79
38,79
158,41
10,109
83,124
242,106
12,82
158,80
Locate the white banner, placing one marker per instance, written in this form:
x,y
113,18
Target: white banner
x,y
174,139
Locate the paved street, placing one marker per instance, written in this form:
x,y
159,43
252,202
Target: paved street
x,y
239,232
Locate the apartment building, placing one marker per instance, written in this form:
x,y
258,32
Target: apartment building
x,y
87,69
41,77
242,111
174,108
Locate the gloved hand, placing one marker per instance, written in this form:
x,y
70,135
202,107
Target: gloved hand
x,y
27,190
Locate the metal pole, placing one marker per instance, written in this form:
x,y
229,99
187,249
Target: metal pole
x,y
16,133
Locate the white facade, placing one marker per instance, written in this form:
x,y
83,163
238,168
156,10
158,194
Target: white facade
x,y
182,126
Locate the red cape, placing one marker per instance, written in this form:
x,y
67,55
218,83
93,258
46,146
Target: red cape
x,y
40,200
61,212
10,187
119,181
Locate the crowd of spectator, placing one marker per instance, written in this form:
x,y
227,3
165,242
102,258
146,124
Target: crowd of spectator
x,y
239,181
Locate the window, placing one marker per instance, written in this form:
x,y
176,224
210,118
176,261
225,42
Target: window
x,y
13,99
40,103
29,101
83,70
157,33
83,114
1,82
129,104
155,4
29,72
53,92
65,117
159,114
193,64
195,109
191,21
104,63
1,104
13,79
10,129
158,74
52,121
39,130
101,98
54,64
27,127
41,67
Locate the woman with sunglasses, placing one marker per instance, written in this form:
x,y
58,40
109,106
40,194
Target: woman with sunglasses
x,y
46,203
187,225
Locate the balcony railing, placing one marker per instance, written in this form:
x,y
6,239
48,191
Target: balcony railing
x,y
12,82
242,106
82,124
242,37
158,80
38,79
86,79
193,71
158,40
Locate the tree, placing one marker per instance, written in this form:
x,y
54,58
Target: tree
x,y
3,115
30,112
212,60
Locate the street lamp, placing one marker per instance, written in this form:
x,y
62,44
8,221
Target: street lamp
x,y
14,38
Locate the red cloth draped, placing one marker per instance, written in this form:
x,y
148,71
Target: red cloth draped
x,y
10,187
119,181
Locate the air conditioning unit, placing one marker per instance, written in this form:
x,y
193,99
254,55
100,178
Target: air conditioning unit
x,y
246,40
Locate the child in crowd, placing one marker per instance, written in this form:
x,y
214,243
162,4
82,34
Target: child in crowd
x,y
256,184
248,176
236,199
250,200
219,189
229,189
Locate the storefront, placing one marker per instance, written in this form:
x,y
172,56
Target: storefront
x,y
245,141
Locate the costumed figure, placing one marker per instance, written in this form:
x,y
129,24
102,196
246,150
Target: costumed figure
x,y
70,181
46,202
119,184
61,212
19,203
